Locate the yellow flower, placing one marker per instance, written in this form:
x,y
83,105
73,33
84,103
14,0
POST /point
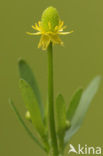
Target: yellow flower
x,y
50,27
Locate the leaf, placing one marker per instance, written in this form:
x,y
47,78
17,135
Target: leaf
x,y
74,104
32,106
24,125
60,114
46,115
27,74
83,106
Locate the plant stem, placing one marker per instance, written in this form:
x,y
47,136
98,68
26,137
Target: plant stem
x,y
51,101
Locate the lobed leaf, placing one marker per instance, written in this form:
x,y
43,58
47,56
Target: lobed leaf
x,y
82,108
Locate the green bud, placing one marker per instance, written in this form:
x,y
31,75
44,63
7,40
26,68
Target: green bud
x,y
68,125
28,116
50,15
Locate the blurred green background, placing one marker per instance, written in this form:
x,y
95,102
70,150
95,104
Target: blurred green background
x,y
80,60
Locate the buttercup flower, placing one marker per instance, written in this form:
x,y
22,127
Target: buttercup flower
x,y
54,126
50,27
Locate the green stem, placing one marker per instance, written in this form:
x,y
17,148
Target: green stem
x,y
51,102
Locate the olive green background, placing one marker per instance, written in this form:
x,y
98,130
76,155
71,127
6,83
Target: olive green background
x,y
76,64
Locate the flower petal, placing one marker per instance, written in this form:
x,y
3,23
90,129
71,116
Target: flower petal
x,y
55,39
65,33
44,42
34,27
63,28
33,34
39,23
61,23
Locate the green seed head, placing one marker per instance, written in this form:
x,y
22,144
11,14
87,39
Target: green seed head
x,y
50,19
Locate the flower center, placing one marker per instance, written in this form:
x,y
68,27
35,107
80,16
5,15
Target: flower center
x,y
50,19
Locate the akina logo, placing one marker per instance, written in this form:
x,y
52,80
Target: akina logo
x,y
85,150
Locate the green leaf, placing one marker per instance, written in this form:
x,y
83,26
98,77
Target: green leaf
x,y
74,104
83,106
27,74
60,114
24,125
46,115
32,106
